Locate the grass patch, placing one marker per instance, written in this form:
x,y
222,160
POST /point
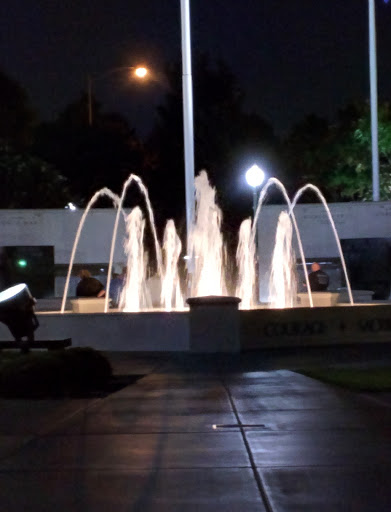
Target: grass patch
x,y
357,379
53,374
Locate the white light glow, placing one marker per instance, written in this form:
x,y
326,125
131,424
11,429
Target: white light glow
x,y
255,176
141,72
206,242
11,292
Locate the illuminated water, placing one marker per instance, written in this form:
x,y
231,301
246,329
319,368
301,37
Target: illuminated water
x,y
103,192
206,245
162,287
251,272
136,179
246,263
133,296
320,196
283,282
171,294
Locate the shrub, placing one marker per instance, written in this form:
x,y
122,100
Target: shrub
x,y
53,373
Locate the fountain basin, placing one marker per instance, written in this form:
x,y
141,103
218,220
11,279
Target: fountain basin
x,y
159,331
359,296
319,299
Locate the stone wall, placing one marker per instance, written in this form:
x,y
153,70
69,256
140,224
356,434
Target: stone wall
x,y
353,221
57,228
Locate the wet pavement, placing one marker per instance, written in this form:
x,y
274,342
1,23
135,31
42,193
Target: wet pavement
x,y
200,435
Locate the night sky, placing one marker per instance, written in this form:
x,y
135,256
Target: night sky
x,y
292,57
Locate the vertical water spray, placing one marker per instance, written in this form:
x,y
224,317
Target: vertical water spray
x,y
133,294
171,295
245,259
283,283
143,189
315,189
100,193
206,246
269,183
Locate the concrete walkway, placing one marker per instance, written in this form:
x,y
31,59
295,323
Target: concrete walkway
x,y
181,439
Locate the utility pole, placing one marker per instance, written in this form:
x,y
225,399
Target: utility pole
x,y
188,129
373,86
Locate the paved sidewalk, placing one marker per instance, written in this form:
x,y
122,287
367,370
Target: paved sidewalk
x,y
181,439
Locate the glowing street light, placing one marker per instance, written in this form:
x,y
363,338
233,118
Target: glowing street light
x,y
255,177
140,72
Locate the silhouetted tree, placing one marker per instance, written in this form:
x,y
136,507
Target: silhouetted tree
x,y
337,157
227,140
90,157
28,182
351,176
16,114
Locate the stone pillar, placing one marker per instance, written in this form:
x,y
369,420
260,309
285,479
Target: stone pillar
x,y
214,324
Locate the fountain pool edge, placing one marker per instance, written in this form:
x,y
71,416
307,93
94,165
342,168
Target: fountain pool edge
x,y
256,329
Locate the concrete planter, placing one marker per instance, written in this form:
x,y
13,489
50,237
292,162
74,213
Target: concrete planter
x,y
88,305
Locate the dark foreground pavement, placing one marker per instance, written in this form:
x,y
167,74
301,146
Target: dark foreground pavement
x,y
282,442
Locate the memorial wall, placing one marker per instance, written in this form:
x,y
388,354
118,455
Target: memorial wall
x,y
42,240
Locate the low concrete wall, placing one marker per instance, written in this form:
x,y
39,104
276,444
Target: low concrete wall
x,y
147,331
344,324
214,324
216,330
57,228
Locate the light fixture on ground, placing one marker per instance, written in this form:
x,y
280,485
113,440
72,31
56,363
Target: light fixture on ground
x,y
17,313
255,177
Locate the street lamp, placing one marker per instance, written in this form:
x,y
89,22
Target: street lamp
x,y
139,72
373,92
188,128
255,177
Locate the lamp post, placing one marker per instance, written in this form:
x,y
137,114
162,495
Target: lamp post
x,y
188,129
138,72
255,177
373,87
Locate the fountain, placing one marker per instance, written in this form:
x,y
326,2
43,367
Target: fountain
x,y
283,283
157,318
206,244
171,293
134,295
207,252
245,259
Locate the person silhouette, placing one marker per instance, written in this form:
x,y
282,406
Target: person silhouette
x,y
318,279
89,286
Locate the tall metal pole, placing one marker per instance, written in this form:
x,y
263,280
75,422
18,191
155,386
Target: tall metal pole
x,y
188,130
373,86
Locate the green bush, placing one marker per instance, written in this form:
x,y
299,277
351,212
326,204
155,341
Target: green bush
x,y
53,373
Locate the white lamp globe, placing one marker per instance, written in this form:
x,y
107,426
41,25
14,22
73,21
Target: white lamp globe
x,y
255,176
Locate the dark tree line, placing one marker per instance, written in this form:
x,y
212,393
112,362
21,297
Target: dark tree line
x,y
49,164
227,140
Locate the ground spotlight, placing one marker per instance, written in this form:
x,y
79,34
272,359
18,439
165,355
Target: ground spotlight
x,y
17,313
